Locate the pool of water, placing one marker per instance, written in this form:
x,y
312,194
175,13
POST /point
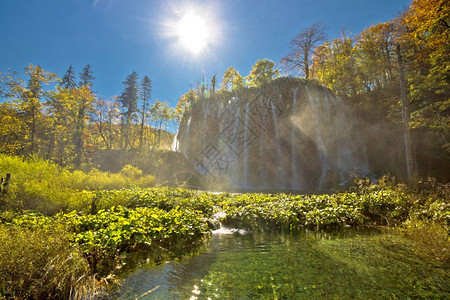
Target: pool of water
x,y
348,264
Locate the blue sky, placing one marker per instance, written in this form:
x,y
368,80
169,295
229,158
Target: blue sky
x,y
116,36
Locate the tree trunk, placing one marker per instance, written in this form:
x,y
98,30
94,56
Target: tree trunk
x,y
405,113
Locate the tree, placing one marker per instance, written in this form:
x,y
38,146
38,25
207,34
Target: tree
x,y
335,65
161,114
426,35
29,101
145,93
83,98
406,117
128,100
232,80
68,80
262,72
184,104
86,76
375,53
213,84
301,48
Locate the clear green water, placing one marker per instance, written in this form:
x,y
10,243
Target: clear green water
x,y
309,265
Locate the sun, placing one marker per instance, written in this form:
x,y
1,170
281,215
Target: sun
x,y
192,32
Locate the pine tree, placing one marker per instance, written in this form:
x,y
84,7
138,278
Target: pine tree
x,y
128,100
85,99
68,80
145,94
86,77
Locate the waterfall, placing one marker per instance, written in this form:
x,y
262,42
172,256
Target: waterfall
x,y
294,167
245,185
279,166
235,168
290,134
204,126
175,143
186,136
323,155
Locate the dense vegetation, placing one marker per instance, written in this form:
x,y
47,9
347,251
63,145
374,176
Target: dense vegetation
x,y
62,234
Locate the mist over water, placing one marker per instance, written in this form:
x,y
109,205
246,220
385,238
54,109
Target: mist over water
x,y
289,135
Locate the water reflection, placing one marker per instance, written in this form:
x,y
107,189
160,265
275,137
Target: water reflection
x,y
344,264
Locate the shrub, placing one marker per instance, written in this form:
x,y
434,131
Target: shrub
x,y
431,237
44,186
40,263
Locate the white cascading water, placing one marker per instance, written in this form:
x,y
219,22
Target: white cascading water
x,y
175,143
320,145
279,164
235,165
304,141
186,134
204,126
245,185
294,165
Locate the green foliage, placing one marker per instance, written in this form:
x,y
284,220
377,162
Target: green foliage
x,y
109,235
262,72
49,188
293,212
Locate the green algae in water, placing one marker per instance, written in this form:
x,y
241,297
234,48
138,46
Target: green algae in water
x,y
309,265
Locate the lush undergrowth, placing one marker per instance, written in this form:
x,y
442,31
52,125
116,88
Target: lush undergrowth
x,y
41,185
64,237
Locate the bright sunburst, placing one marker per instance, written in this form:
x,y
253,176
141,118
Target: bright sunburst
x,y
195,31
192,32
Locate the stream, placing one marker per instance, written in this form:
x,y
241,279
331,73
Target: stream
x,y
345,264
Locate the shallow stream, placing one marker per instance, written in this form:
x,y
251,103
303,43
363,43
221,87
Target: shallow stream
x,y
348,264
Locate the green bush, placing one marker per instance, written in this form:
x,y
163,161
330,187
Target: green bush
x,y
44,186
109,235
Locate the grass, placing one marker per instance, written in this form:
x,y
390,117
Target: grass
x,y
43,186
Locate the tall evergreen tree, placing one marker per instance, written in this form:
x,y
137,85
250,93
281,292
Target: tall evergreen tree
x,y
128,100
84,99
86,77
30,102
145,94
68,80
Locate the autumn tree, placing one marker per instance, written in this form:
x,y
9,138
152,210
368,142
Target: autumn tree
x,y
261,73
161,114
376,56
301,49
184,104
83,99
335,65
29,102
232,80
426,37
